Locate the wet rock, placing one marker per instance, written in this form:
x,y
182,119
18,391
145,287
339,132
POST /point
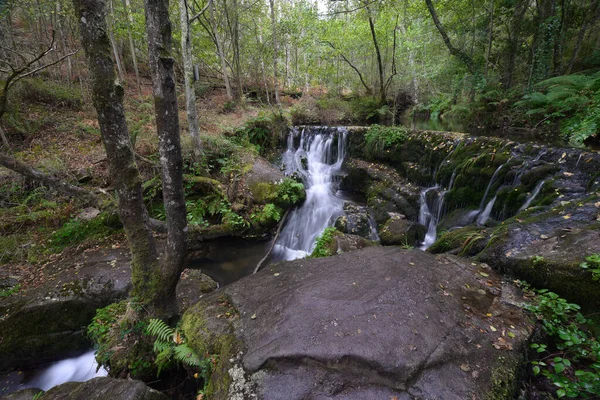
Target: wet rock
x,y
374,323
399,231
104,389
25,394
386,191
356,221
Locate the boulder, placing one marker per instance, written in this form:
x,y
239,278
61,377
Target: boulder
x,y
25,394
104,389
399,231
356,221
376,323
260,179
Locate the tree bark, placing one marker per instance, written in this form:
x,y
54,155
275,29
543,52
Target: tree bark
x,y
188,73
382,91
274,29
114,46
589,19
213,22
127,8
513,41
464,57
490,39
108,101
158,30
49,180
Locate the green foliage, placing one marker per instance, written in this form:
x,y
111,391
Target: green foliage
x,y
4,293
77,231
592,264
571,360
51,93
170,347
99,329
572,99
267,214
380,139
290,192
370,110
264,131
323,244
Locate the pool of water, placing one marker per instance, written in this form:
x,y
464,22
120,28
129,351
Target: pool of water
x,y
228,260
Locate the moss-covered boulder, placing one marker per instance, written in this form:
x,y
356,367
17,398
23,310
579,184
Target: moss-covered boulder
x,y
400,231
466,241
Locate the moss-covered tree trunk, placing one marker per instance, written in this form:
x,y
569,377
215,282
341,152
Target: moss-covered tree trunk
x,y
153,283
158,30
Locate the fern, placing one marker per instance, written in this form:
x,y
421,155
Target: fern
x,y
186,355
160,330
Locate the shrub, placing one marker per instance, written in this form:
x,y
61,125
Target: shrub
x,y
323,246
380,139
47,92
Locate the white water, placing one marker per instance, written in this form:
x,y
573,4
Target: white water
x,y
532,196
489,186
322,164
485,214
76,369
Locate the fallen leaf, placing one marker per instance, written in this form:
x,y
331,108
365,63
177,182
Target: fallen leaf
x,y
276,274
493,328
465,368
484,274
253,316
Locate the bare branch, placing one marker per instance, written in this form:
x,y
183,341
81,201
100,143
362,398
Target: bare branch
x,y
38,69
369,90
195,17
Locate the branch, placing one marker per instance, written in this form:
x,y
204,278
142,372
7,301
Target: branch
x,y
464,57
195,17
369,90
49,180
38,69
266,257
350,11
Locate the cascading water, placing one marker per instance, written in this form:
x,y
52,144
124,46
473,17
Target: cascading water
x,y
532,196
318,162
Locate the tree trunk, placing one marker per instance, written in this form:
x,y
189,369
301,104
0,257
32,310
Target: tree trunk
x,y
158,30
64,42
115,48
464,57
513,41
382,94
274,29
127,7
589,19
490,39
108,101
188,73
213,22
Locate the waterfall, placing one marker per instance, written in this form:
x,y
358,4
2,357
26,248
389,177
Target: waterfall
x,y
318,162
485,214
532,196
430,217
77,369
489,186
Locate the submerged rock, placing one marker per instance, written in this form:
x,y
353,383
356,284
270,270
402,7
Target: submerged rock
x,y
371,324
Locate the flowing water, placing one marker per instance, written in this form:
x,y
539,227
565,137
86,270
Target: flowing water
x,y
75,369
532,196
317,159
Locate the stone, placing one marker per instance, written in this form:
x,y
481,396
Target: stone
x,y
399,231
104,389
371,324
24,394
87,214
356,221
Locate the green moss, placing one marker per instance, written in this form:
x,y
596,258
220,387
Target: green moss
x,y
77,231
466,239
504,379
209,331
326,246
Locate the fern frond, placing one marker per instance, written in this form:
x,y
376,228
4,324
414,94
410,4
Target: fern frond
x,y
160,330
187,355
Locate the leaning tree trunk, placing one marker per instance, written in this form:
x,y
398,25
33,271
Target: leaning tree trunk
x,y
213,22
274,26
158,30
129,17
108,101
382,91
188,72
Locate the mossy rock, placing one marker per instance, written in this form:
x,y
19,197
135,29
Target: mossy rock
x,y
209,330
469,240
399,231
533,176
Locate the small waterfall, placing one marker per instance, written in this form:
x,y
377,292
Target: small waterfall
x,y
428,218
485,214
489,186
318,162
77,369
532,196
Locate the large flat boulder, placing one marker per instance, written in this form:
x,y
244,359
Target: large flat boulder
x,y
104,389
372,324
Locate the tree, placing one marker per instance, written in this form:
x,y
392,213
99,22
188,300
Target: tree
x,y
154,278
